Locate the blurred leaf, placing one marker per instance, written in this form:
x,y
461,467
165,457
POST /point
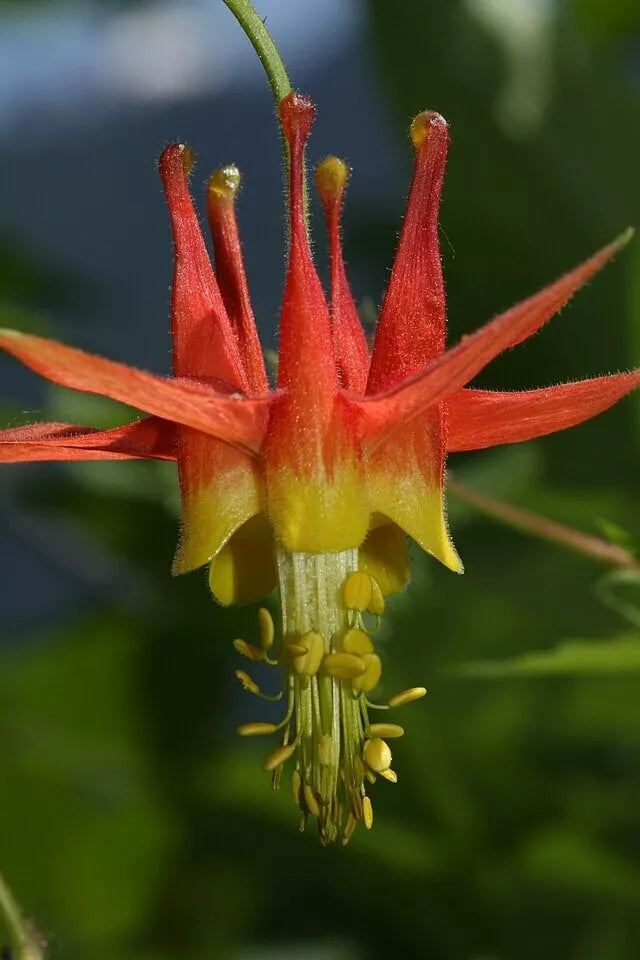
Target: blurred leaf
x,y
571,863
618,655
613,21
75,778
628,608
617,534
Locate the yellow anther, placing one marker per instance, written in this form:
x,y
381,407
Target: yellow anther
x,y
266,628
389,775
296,649
349,827
311,646
377,755
310,800
247,650
367,812
278,756
324,750
331,177
372,673
224,183
296,783
376,604
256,729
370,775
389,730
356,641
407,696
356,590
343,666
246,681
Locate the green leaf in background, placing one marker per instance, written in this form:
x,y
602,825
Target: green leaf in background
x,y
75,776
620,590
618,655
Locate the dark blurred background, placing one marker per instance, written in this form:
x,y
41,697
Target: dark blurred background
x,y
132,823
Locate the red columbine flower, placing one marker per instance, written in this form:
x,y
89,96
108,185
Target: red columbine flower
x,y
312,487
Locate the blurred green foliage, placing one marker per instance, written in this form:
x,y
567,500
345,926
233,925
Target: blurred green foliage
x,y
134,826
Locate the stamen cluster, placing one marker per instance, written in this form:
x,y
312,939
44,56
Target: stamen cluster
x,y
326,728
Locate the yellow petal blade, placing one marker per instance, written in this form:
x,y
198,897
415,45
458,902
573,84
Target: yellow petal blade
x,y
244,570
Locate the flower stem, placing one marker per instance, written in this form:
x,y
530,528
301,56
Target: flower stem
x,y
254,27
537,526
264,46
23,939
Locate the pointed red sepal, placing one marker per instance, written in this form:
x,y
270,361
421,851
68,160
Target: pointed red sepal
x,y
349,342
152,438
411,330
306,365
239,421
484,418
221,192
447,374
203,342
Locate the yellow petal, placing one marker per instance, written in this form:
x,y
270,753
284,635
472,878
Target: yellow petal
x,y
244,570
220,490
405,478
384,555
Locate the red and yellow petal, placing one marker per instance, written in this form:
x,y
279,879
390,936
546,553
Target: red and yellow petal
x,y
204,344
349,342
230,273
405,482
306,364
411,331
316,489
221,490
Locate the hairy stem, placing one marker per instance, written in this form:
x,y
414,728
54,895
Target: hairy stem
x,y
264,46
537,526
23,939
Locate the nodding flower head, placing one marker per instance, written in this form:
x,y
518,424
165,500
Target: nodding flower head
x,y
313,486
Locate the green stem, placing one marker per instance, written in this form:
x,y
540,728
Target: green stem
x,y
271,60
264,46
24,941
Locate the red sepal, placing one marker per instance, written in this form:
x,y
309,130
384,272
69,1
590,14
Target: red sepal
x,y
152,438
484,418
239,421
384,414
